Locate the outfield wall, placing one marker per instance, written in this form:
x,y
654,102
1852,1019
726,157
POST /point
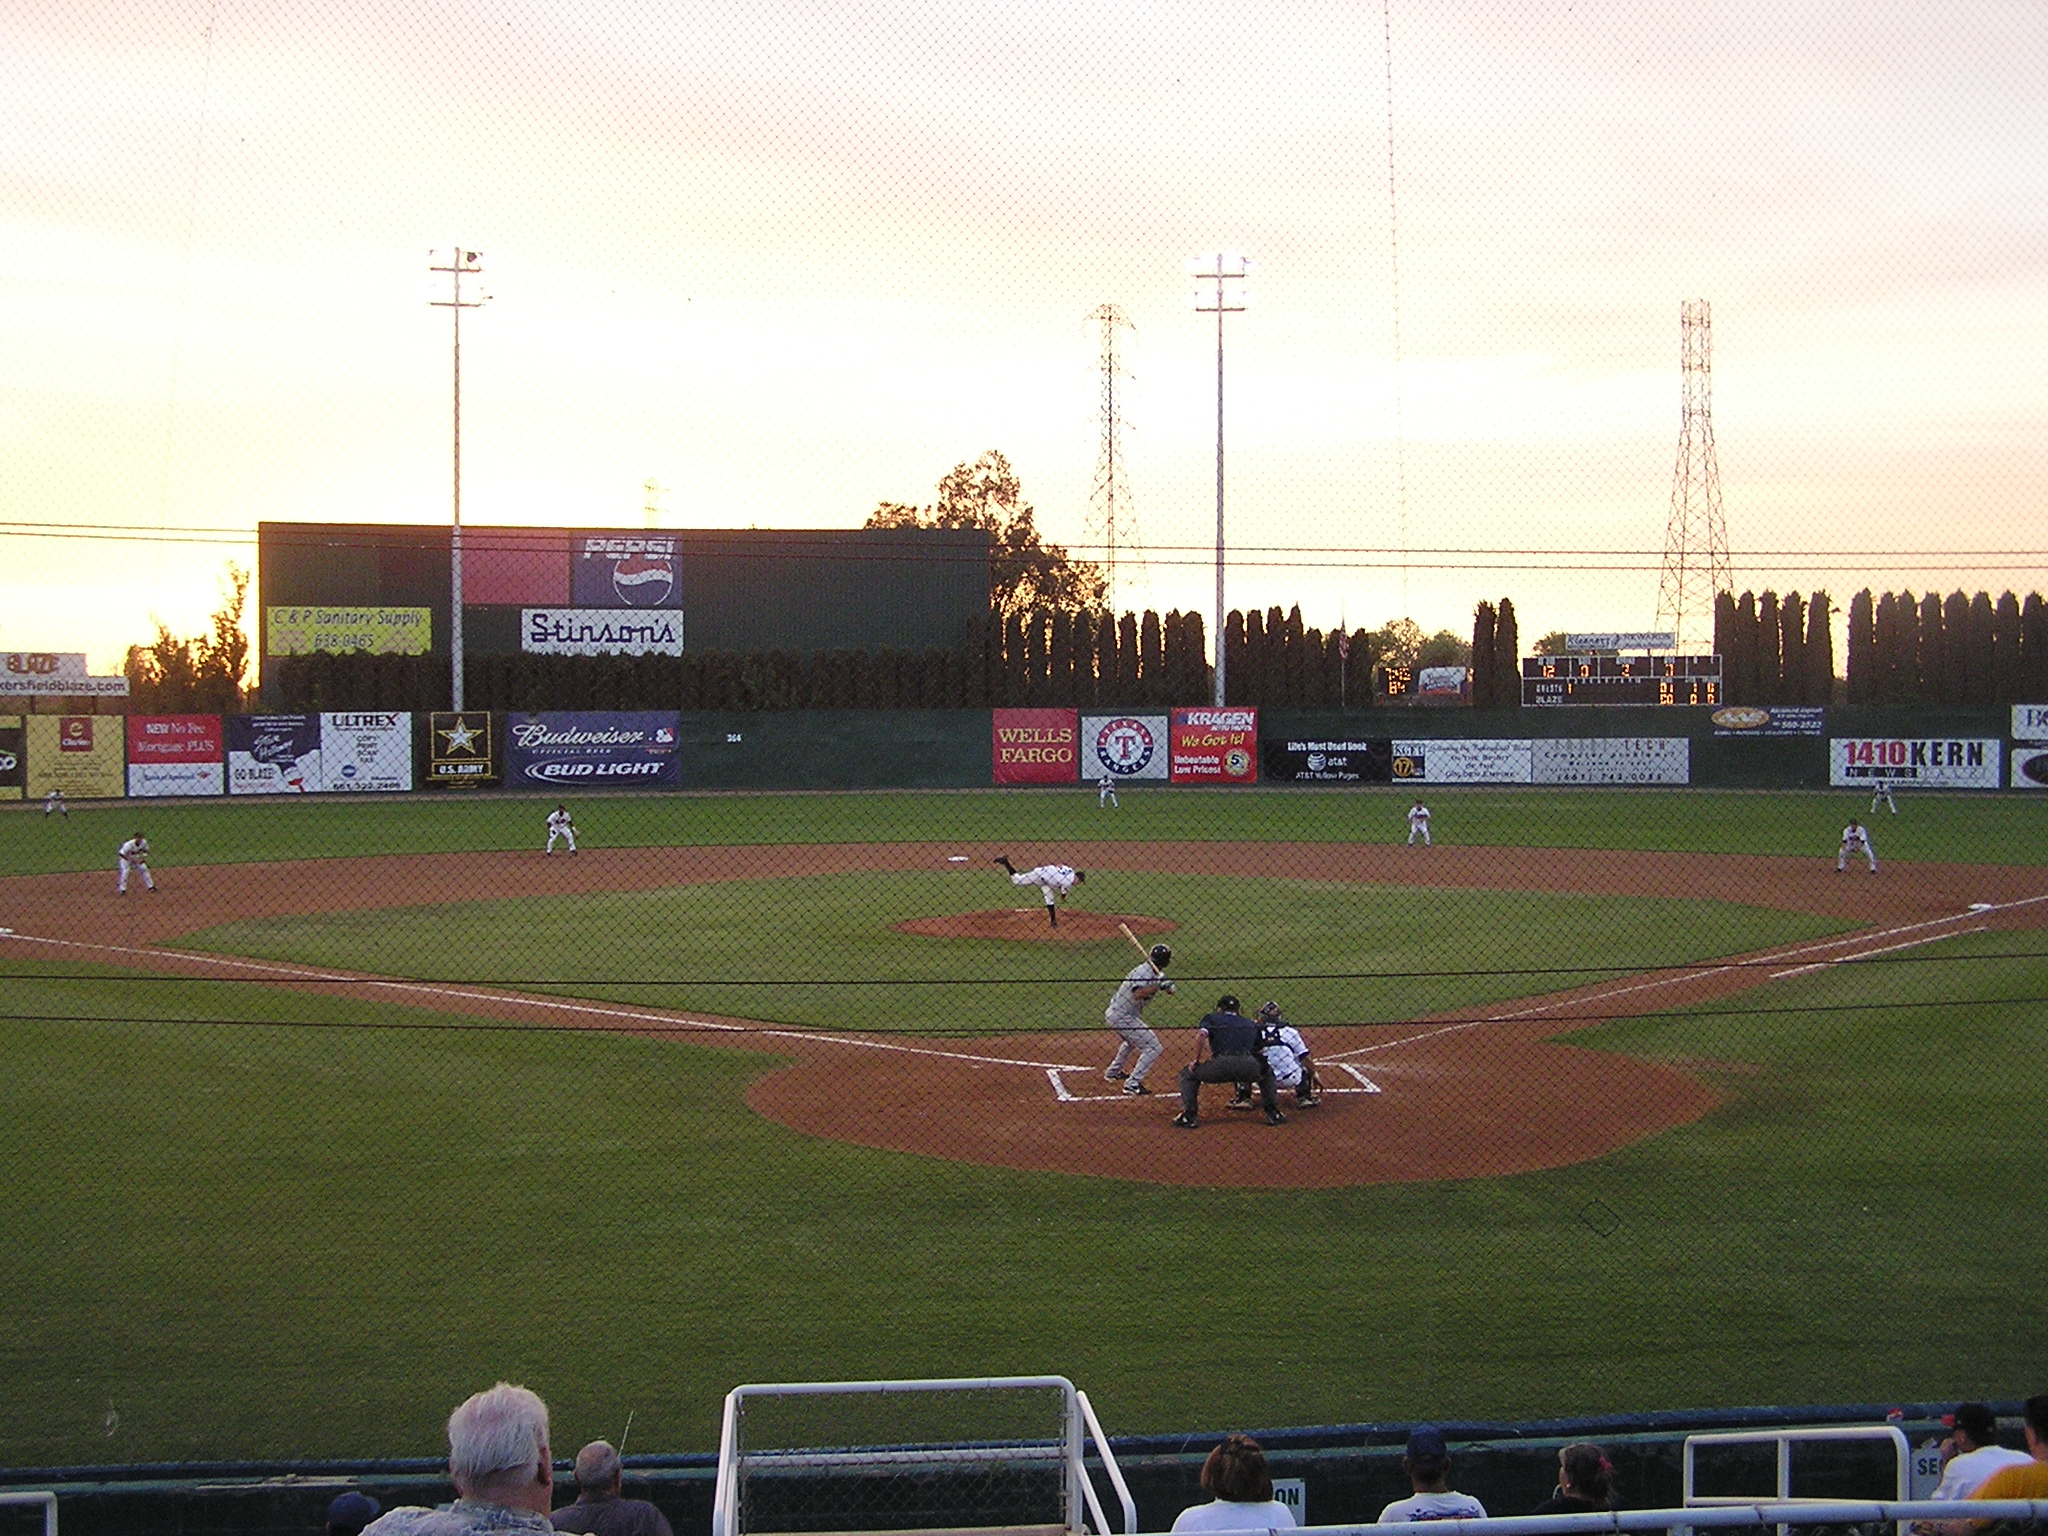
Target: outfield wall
x,y
95,757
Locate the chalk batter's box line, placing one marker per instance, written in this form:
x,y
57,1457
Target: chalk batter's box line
x,y
1063,1094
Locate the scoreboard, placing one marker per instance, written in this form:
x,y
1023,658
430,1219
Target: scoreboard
x,y
1621,680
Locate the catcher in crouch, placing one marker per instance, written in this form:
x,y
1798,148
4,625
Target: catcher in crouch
x,y
1055,880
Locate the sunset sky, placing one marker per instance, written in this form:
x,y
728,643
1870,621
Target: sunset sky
x,y
793,259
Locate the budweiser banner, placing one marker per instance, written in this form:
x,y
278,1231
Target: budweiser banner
x,y
586,749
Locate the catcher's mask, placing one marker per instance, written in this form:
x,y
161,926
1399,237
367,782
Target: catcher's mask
x,y
1269,1010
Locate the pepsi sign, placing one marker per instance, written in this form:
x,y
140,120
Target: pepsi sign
x,y
626,571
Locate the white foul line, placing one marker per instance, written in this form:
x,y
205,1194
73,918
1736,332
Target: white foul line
x,y
523,1000
1932,938
1370,1085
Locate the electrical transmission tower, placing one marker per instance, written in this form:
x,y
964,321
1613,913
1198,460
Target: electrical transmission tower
x,y
1112,520
1696,566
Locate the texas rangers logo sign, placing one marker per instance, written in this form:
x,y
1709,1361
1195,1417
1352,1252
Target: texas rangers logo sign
x,y
1124,746
627,571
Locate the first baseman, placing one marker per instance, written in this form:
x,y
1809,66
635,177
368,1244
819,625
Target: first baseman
x,y
1141,1047
133,854
1418,824
1055,880
1855,839
560,826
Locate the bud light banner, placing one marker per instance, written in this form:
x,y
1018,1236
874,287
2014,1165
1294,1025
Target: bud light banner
x,y
626,571
1214,746
273,754
1124,746
366,751
576,750
1035,746
176,755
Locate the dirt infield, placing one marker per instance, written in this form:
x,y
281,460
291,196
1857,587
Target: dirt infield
x,y
1489,1092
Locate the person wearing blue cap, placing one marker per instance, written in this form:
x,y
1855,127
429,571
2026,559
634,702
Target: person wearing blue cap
x,y
350,1512
1428,1465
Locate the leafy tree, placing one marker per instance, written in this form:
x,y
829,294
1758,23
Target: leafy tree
x,y
202,675
1444,649
1400,642
1552,644
1025,572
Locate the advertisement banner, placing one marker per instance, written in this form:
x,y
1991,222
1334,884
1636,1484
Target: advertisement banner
x,y
1123,746
1214,746
57,665
1927,763
1329,762
459,750
2029,767
1612,760
626,571
594,748
176,755
1035,746
305,629
13,758
83,755
366,751
1772,720
273,754
2030,722
1443,685
1464,762
599,632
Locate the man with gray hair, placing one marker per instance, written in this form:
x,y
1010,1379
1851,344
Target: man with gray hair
x,y
498,1461
598,1508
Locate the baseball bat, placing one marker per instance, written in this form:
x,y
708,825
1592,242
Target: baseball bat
x,y
1141,949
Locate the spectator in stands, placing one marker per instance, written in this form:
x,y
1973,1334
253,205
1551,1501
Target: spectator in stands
x,y
349,1513
1242,1488
598,1508
1585,1482
1970,1454
498,1461
1428,1465
2026,1481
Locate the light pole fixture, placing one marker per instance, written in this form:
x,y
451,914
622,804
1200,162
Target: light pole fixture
x,y
1222,277
460,264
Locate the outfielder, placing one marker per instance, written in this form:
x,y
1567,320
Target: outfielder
x,y
133,854
1105,791
1141,1047
1855,839
560,826
1055,880
1288,1054
54,801
1882,790
1418,824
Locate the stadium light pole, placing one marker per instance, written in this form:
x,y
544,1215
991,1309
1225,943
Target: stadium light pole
x,y
1228,297
461,264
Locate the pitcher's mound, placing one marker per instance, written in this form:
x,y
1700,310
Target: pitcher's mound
x,y
1029,924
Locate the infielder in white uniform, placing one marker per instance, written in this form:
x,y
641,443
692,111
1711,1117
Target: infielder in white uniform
x,y
1855,839
1055,880
133,854
1105,791
1882,790
559,826
1140,1047
1418,824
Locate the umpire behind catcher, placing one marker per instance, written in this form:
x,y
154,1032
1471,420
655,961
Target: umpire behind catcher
x,y
1234,1057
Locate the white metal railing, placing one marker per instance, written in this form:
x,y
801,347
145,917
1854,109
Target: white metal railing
x,y
47,1500
1080,1428
1719,1517
1783,1440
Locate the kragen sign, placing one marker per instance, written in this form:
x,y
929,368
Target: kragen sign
x,y
600,632
569,750
1215,746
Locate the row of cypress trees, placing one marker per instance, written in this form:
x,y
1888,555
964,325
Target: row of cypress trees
x,y
1954,650
1775,650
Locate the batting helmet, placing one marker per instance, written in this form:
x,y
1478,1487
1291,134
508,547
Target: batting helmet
x,y
1161,955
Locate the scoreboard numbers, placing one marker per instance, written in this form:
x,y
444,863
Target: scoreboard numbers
x,y
1611,679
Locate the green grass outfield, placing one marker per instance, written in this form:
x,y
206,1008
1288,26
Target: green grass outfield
x,y
240,1222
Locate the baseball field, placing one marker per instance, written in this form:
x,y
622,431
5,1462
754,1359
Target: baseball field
x,y
1634,1102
